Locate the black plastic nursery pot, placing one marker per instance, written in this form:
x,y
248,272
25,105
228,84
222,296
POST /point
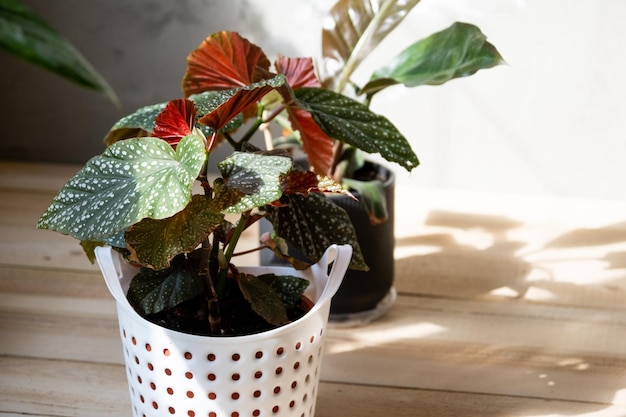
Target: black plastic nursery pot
x,y
362,292
363,295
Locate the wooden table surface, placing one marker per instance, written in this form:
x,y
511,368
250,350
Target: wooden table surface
x,y
507,306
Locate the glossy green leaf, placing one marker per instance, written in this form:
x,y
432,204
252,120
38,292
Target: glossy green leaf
x,y
153,243
153,291
352,29
458,51
289,288
27,36
312,223
351,122
131,180
254,178
263,299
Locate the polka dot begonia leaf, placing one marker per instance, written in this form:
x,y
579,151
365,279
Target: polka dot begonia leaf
x,y
351,122
312,223
254,178
133,179
154,243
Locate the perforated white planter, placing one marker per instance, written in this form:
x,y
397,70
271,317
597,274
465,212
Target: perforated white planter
x,y
275,373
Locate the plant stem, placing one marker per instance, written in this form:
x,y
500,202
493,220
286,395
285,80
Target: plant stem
x,y
355,58
228,254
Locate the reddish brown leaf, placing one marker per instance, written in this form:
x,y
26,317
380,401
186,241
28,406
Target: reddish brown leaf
x,y
305,182
175,121
237,103
315,143
299,72
223,60
298,182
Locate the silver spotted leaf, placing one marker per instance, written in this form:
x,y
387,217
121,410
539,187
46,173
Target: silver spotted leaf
x,y
351,122
133,179
312,223
153,291
153,243
253,179
263,299
288,287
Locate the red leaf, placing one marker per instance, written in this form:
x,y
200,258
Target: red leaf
x,y
223,60
299,182
315,143
299,72
241,100
175,121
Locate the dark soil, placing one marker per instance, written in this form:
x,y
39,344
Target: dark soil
x,y
237,317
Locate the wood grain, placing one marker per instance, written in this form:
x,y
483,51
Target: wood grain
x,y
506,307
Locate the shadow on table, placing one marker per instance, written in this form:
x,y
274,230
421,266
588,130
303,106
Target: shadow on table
x,y
435,346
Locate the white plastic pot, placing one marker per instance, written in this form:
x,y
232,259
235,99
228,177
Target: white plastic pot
x,y
274,373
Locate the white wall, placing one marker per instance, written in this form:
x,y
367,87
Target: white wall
x,y
552,121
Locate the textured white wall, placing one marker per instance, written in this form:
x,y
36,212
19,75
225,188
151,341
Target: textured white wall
x,y
552,121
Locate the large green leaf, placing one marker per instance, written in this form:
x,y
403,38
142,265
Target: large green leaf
x,y
263,299
312,223
353,28
288,287
27,36
253,178
458,51
153,243
153,291
131,180
351,122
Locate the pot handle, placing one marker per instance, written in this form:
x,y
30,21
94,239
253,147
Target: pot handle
x,y
112,271
340,256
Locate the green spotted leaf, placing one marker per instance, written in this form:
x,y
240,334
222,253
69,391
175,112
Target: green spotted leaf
x,y
153,291
263,299
288,287
133,179
351,122
253,178
153,243
312,223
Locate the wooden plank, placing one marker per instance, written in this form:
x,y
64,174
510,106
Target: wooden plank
x,y
61,388
499,348
52,388
528,350
35,176
59,328
59,282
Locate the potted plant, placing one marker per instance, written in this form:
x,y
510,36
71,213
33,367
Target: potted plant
x,y
202,336
149,211
352,30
